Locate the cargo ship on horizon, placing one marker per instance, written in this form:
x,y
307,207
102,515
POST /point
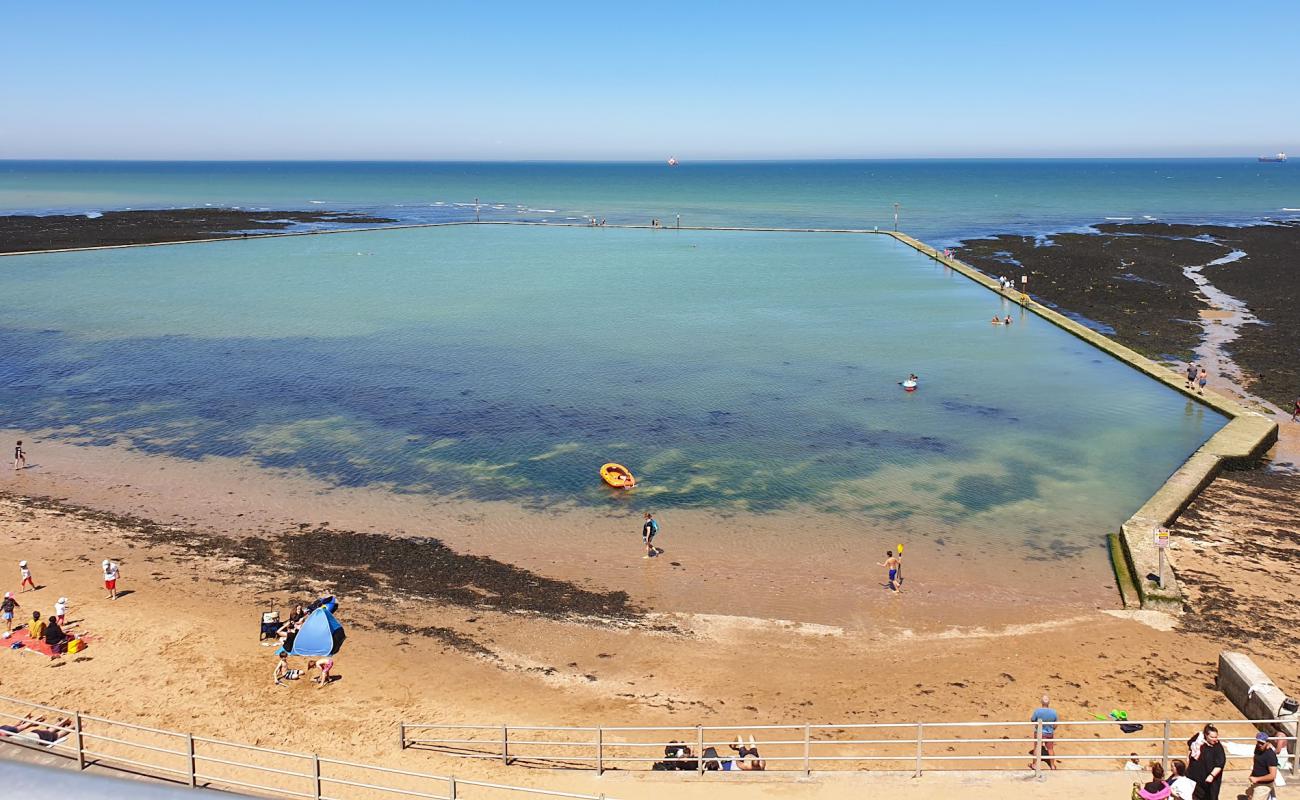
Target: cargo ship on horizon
x,y
1277,159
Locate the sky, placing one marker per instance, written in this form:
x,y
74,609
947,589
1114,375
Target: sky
x,y
633,81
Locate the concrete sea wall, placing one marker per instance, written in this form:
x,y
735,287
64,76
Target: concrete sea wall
x,y
1238,445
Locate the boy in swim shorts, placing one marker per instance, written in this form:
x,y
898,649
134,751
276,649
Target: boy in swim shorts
x,y
892,564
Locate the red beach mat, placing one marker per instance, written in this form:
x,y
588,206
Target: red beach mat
x,y
22,637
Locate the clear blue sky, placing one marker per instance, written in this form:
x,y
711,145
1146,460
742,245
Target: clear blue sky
x,y
612,80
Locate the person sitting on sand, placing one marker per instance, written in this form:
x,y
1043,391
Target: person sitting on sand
x,y
54,635
281,666
1157,788
36,628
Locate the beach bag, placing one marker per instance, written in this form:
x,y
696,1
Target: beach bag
x,y
1290,706
76,646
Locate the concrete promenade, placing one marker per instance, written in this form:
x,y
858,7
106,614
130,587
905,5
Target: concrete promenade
x,y
1239,444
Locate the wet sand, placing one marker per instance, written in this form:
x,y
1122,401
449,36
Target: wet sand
x,y
712,563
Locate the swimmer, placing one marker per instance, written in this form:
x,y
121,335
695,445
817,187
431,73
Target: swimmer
x,y
1007,321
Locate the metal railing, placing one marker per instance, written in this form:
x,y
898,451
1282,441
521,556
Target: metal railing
x,y
913,746
199,761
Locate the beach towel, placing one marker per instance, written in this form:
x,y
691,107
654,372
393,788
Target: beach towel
x,y
22,637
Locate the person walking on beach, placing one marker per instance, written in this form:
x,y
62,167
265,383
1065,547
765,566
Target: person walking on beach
x,y
111,573
1201,378
7,607
61,610
1295,409
1047,717
20,456
26,576
892,563
649,529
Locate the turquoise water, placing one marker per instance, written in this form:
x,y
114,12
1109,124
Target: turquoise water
x,y
942,200
730,371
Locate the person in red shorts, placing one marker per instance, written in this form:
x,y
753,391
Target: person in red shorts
x,y
110,578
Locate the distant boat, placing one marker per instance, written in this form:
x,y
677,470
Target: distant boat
x,y
1277,159
672,160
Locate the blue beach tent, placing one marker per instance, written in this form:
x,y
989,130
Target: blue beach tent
x,y
320,635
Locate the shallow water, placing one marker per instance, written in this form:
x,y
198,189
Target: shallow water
x,y
733,372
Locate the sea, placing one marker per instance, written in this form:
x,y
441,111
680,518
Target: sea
x,y
739,375
940,201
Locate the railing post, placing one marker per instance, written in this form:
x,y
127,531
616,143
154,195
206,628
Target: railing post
x,y
600,750
81,744
315,771
401,736
451,788
505,745
807,750
1164,750
1038,750
920,746
194,778
1295,748
699,751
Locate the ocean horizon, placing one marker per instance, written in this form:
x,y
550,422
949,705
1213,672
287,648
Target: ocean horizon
x,y
940,200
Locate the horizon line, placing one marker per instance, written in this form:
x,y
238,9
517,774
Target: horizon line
x,y
774,160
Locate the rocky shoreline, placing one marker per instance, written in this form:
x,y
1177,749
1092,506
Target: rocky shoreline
x,y
1128,280
22,233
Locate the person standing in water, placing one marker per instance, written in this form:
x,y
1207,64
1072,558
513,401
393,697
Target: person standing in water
x,y
648,530
891,563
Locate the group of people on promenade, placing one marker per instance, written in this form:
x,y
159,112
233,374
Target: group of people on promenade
x,y
1198,777
53,628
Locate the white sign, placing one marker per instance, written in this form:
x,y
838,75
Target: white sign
x,y
1162,537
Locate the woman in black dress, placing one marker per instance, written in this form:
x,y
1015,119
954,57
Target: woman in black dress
x,y
1205,762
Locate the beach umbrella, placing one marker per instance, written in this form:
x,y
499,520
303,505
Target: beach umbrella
x,y
320,635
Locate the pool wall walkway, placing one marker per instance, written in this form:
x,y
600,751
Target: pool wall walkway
x,y
1238,445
